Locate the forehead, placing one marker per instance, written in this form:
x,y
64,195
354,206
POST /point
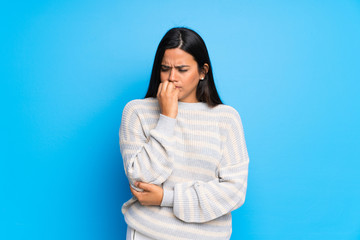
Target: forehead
x,y
177,56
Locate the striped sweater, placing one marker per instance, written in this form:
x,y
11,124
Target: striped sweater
x,y
201,161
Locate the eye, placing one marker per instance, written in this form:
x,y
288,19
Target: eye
x,y
164,69
182,70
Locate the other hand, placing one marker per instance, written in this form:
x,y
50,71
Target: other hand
x,y
152,194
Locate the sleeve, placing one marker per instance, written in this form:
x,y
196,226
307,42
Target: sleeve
x,y
146,159
199,201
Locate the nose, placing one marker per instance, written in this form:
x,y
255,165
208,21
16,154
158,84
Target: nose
x,y
172,76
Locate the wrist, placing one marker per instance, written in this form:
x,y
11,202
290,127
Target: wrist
x,y
170,115
168,198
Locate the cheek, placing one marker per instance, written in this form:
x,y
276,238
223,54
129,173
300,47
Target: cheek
x,y
193,78
162,77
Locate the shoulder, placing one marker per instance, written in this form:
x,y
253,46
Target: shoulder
x,y
228,117
141,102
226,112
137,105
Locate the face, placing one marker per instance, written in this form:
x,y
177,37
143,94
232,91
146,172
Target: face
x,y
180,67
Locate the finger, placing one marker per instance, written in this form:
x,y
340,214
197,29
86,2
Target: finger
x,y
164,86
171,87
145,186
159,90
175,91
132,191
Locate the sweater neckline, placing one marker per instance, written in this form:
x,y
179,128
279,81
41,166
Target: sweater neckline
x,y
195,105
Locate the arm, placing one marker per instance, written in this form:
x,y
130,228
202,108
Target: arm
x,y
146,159
199,201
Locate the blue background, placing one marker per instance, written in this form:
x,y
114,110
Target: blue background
x,y
291,69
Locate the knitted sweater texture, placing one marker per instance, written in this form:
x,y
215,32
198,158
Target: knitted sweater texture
x,y
200,160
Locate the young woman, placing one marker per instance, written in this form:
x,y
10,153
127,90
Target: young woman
x,y
184,151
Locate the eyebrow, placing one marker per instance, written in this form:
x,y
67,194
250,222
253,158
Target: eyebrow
x,y
180,66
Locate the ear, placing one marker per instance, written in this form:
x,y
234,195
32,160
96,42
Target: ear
x,y
204,70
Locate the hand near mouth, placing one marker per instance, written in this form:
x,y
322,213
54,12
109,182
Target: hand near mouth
x,y
168,98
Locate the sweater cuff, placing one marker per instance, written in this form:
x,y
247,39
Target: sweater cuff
x,y
166,125
168,198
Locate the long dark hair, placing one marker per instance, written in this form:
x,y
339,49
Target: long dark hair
x,y
189,41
